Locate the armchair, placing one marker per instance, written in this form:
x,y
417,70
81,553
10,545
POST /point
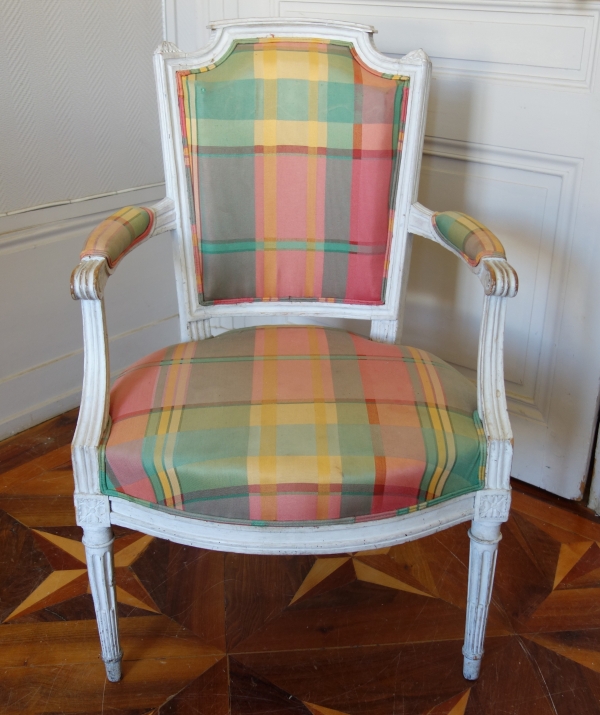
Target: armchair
x,y
292,152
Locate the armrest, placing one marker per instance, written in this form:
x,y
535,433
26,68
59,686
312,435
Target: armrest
x,y
105,247
118,234
481,250
470,238
113,239
472,242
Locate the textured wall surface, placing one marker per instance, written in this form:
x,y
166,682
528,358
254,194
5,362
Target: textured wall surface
x,y
78,118
77,99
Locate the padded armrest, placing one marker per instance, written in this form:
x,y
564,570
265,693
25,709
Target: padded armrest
x,y
472,242
469,237
119,234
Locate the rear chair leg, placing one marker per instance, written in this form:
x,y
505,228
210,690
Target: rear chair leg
x,y
482,564
98,542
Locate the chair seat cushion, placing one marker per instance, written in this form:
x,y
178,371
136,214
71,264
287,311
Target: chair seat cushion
x,y
292,424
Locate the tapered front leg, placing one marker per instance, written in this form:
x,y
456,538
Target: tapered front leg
x,y
98,542
482,564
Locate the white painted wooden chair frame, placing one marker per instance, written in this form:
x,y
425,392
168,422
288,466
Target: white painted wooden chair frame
x,y
487,508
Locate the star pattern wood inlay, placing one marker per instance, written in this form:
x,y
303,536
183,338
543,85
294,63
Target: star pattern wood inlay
x,y
367,633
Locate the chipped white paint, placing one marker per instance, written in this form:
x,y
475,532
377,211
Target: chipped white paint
x,y
492,504
384,331
482,565
92,510
88,283
98,544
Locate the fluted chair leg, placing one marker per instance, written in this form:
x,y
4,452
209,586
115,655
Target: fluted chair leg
x,y
98,542
482,564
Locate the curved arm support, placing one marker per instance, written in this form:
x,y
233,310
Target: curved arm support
x,y
87,284
499,282
115,237
93,414
491,395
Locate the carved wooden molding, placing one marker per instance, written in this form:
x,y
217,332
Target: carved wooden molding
x,y
384,331
492,505
416,57
498,277
89,278
167,48
200,329
482,565
491,392
92,510
98,542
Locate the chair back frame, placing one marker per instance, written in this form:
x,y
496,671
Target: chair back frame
x,y
169,60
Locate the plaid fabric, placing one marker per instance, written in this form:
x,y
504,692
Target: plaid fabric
x,y
292,149
287,424
467,235
119,233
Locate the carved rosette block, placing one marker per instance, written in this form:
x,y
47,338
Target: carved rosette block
x,y
482,565
98,543
492,505
92,510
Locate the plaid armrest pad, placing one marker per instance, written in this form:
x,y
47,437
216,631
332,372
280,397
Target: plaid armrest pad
x,y
467,235
119,233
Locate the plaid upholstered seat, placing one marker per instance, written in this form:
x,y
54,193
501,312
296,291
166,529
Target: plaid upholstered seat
x,y
287,424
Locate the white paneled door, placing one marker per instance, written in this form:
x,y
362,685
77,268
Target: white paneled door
x,y
512,139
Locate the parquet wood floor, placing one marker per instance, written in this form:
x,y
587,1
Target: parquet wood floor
x,y
375,633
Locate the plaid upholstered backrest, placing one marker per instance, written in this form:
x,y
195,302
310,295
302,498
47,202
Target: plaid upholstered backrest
x,y
291,149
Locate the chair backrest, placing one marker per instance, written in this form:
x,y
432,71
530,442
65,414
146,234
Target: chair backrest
x,y
292,152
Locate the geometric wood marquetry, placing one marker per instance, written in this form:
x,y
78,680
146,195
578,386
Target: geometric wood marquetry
x,y
372,632
322,710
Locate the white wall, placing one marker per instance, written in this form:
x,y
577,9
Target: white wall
x,y
79,138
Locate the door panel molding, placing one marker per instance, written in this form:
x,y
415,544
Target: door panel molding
x,y
538,43
539,245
